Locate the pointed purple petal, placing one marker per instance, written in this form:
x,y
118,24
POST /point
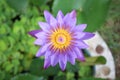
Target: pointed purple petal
x,y
47,59
44,26
47,16
54,59
60,14
47,63
47,54
50,19
53,22
39,41
62,62
78,35
80,27
71,57
41,34
63,57
62,65
80,44
60,18
87,35
73,14
38,54
45,47
70,19
32,33
79,54
42,50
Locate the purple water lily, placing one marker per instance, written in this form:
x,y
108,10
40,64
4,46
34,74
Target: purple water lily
x,y
60,39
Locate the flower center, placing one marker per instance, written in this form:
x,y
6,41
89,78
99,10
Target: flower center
x,y
60,38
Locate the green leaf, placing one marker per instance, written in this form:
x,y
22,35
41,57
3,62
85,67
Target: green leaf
x,y
38,2
3,29
62,77
2,75
3,45
18,5
90,12
8,66
70,76
26,77
36,68
86,71
72,68
27,62
91,61
67,5
5,75
94,13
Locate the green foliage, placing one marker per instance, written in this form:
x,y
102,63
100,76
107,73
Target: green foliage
x,y
63,77
3,44
92,12
39,2
85,71
2,75
91,78
18,7
17,48
72,68
67,5
70,76
26,77
36,68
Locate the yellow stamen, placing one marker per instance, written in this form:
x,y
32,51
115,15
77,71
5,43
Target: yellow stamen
x,y
60,38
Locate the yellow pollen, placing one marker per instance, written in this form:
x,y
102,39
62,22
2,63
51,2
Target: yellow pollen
x,y
60,38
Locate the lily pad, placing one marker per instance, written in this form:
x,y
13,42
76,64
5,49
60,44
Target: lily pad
x,y
90,12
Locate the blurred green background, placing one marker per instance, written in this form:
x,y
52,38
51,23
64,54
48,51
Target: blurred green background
x,y
17,51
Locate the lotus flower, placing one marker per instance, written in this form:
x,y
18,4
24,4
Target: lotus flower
x,y
61,40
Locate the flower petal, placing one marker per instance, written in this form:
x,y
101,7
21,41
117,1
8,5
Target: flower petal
x,y
54,59
78,35
70,19
62,61
44,26
80,44
60,14
50,19
32,33
41,38
38,54
40,34
45,47
47,16
39,41
47,59
73,14
71,57
47,63
87,35
60,18
80,27
79,54
53,23
47,54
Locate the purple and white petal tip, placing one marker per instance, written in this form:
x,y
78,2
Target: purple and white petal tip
x,y
32,33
